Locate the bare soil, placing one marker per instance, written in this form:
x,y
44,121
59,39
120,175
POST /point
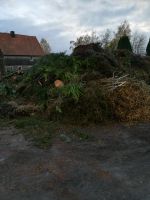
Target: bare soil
x,y
115,165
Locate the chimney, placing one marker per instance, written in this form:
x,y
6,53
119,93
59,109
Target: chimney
x,y
12,33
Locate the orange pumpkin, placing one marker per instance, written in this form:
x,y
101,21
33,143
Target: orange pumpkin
x,y
58,84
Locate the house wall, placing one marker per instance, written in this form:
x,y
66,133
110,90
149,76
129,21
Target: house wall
x,y
16,67
12,63
2,68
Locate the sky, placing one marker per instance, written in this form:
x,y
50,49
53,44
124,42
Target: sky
x,y
61,21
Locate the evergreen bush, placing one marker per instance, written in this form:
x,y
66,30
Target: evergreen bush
x,y
148,49
124,43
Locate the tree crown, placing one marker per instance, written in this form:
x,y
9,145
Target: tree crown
x,y
124,43
148,48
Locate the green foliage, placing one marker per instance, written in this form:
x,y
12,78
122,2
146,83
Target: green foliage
x,y
53,66
124,43
148,49
40,80
3,90
6,90
73,90
73,86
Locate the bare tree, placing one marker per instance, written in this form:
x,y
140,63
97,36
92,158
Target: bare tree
x,y
109,39
122,30
85,39
45,46
106,39
138,42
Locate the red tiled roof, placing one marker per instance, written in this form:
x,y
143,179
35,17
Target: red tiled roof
x,y
20,45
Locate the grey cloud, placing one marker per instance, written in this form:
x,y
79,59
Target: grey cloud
x,y
60,21
105,16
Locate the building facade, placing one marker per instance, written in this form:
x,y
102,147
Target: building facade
x,y
18,51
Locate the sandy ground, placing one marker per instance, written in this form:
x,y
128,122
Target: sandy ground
x,y
114,166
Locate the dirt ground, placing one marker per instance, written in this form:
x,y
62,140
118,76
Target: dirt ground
x,y
113,166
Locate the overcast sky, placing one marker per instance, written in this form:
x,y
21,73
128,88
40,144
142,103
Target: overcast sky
x,y
60,21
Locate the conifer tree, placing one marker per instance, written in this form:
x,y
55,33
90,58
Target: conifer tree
x,y
148,49
124,43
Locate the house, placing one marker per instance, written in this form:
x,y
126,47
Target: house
x,y
18,51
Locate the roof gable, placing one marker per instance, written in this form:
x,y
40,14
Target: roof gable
x,y
20,45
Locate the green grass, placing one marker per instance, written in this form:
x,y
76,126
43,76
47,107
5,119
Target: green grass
x,y
39,131
5,122
42,132
81,135
75,134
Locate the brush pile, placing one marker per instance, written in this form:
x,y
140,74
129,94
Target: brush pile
x,y
128,100
131,102
78,90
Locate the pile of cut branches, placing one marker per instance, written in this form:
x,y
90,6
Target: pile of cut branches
x,y
131,102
